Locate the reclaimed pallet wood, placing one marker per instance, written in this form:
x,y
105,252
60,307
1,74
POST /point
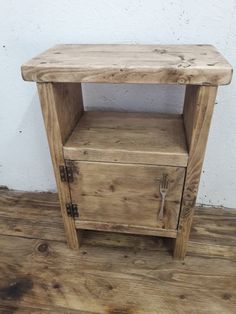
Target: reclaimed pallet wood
x,y
159,64
111,280
142,138
119,200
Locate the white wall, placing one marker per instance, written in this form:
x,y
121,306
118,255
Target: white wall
x,y
28,27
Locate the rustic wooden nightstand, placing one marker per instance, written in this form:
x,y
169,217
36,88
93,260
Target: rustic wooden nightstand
x,y
127,172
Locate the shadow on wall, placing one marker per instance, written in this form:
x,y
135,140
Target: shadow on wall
x,y
134,97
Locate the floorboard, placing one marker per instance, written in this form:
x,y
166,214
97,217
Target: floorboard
x,y
112,273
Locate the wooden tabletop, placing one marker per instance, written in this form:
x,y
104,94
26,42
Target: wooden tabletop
x,y
157,64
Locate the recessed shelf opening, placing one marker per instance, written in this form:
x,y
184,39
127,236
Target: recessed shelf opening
x,y
128,137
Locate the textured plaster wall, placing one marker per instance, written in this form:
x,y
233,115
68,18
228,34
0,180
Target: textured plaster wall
x,y
28,27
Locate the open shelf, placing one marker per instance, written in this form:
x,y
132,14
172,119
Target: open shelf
x,y
148,138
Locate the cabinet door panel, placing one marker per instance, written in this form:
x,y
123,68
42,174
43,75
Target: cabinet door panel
x,y
126,193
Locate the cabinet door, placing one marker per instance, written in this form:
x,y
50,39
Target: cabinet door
x,y
127,193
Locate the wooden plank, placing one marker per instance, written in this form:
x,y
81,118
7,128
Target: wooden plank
x,y
7,308
113,280
214,226
146,138
159,64
126,228
55,108
204,249
126,195
31,214
203,105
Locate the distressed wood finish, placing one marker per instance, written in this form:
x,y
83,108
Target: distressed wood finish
x,y
116,156
31,215
159,64
62,107
198,111
112,273
126,194
113,280
124,228
69,106
146,138
212,234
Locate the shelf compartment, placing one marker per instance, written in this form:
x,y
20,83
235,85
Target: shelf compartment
x,y
145,138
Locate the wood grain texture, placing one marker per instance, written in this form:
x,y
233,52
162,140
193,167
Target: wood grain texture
x,y
124,228
37,309
54,111
37,215
147,138
69,106
113,273
200,105
113,280
32,215
126,194
214,228
162,64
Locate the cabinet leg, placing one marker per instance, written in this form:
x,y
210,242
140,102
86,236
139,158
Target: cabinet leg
x,y
62,107
198,107
181,242
180,248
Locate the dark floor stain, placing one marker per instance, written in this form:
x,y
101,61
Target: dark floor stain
x,y
9,309
120,310
226,296
112,188
18,229
16,289
182,297
56,285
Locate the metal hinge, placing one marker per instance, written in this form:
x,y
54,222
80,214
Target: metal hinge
x,y
72,210
66,173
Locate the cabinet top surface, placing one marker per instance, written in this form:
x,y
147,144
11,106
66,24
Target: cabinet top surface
x,y
157,64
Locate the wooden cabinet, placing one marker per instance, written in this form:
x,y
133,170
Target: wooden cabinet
x,y
123,171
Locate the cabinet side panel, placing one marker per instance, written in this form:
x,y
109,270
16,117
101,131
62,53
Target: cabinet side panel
x,y
49,109
69,106
189,111
199,105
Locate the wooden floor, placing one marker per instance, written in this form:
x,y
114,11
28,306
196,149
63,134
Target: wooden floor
x,y
112,274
